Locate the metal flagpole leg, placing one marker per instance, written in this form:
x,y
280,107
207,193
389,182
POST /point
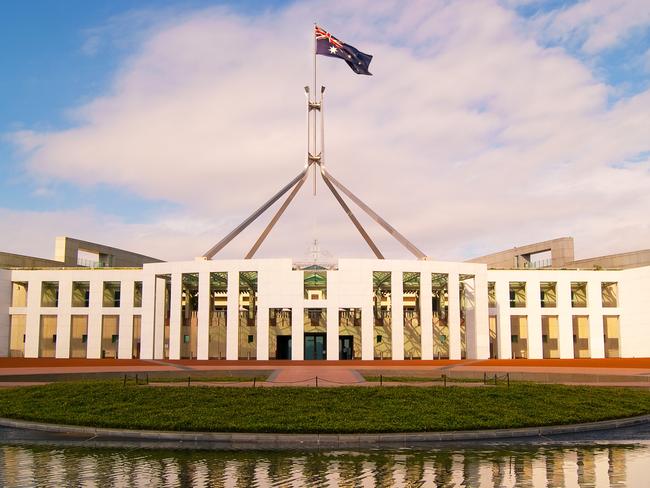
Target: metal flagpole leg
x,y
389,228
276,217
223,242
354,220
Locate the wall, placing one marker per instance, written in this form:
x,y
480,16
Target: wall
x,y
5,301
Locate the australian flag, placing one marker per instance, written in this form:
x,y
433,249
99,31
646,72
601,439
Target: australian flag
x,y
328,45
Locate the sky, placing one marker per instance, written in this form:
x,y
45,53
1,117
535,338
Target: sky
x,y
158,126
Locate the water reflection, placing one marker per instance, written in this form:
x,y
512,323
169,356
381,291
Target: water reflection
x,y
599,466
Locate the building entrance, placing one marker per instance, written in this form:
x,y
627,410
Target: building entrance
x,y
283,347
315,346
346,347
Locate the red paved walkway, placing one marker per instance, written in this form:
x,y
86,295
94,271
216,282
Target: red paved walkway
x,y
621,371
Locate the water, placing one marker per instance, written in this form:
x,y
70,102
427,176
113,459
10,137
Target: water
x,y
613,465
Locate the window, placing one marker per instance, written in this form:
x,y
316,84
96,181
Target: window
x,y
547,294
137,294
111,295
315,284
19,294
609,292
81,294
492,295
517,294
50,294
579,294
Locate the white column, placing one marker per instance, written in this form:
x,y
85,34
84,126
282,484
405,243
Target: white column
x,y
504,340
95,313
125,326
147,311
262,327
332,331
453,294
595,307
426,316
397,314
481,318
534,305
232,319
5,318
203,315
297,333
33,319
175,317
63,324
159,318
565,318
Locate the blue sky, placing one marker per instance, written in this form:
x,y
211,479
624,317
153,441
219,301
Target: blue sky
x,y
63,60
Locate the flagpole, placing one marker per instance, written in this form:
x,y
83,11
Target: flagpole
x,y
314,116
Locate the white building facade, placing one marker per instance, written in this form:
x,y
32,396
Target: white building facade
x,y
367,309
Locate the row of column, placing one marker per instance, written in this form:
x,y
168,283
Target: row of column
x,y
95,311
564,312
476,316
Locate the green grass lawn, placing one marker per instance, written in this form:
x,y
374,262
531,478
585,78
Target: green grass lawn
x,y
349,409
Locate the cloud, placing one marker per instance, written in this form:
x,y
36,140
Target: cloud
x,y
598,24
470,136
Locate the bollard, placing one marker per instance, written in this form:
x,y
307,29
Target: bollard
x,y
188,381
508,378
495,379
254,380
485,378
124,384
316,381
147,378
381,380
136,379
444,380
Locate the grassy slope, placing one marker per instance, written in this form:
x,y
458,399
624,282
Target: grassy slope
x,y
394,409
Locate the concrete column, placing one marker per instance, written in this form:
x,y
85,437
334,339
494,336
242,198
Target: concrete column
x,y
426,316
232,318
565,318
262,327
504,332
147,312
203,315
33,319
297,333
5,318
535,346
125,326
595,307
63,324
397,314
453,294
159,318
481,318
175,317
95,314
332,331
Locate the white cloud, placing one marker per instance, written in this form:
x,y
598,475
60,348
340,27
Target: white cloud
x,y
469,138
598,24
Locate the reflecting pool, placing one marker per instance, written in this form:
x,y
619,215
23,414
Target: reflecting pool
x,y
608,465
